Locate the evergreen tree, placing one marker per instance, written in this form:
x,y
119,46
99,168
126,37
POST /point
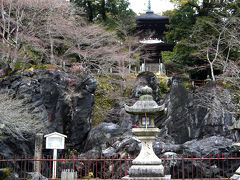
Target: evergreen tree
x,y
196,28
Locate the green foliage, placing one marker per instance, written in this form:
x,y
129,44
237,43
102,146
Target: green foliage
x,y
162,83
195,27
236,99
183,54
28,55
111,90
90,175
22,65
181,23
186,84
101,10
180,29
115,15
175,67
4,173
1,127
183,2
105,98
167,56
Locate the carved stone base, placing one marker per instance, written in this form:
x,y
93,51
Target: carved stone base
x,y
147,166
146,171
167,177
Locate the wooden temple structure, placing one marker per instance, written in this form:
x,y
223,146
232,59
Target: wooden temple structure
x,y
150,30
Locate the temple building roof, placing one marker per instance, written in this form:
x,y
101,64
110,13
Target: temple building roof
x,y
152,21
154,17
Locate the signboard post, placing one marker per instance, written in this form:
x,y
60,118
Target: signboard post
x,y
55,141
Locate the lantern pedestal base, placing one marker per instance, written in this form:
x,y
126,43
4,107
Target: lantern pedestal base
x,y
147,166
146,171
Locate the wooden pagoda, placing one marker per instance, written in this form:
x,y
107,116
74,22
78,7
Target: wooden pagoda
x,y
150,29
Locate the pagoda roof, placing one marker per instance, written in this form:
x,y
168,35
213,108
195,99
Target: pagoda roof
x,y
153,17
159,47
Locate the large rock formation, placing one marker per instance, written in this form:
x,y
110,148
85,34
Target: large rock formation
x,y
49,100
195,124
196,120
143,79
111,140
204,112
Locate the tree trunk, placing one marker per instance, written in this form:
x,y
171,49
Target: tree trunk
x,y
52,61
90,11
212,72
103,10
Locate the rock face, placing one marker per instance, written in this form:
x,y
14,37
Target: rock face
x,y
57,100
110,140
35,176
145,79
195,124
212,146
197,114
196,120
118,115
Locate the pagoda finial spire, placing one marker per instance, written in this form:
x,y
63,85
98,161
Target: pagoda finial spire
x,y
149,6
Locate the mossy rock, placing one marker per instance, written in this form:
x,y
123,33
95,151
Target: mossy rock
x,y
108,93
162,83
105,98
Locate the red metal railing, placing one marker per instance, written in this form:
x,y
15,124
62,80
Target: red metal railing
x,y
171,73
221,166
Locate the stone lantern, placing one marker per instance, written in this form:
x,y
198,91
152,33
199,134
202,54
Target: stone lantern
x,y
147,165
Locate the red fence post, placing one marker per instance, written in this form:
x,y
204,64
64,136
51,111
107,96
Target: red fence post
x,y
25,167
96,165
104,166
125,163
182,166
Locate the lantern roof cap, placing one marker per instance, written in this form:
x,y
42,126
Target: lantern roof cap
x,y
145,104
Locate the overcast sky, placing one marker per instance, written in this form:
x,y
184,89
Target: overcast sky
x,y
158,6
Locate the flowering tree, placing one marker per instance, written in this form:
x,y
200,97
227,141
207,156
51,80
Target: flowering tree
x,y
53,31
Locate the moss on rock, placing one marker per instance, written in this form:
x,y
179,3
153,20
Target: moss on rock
x,y
162,83
111,89
105,97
